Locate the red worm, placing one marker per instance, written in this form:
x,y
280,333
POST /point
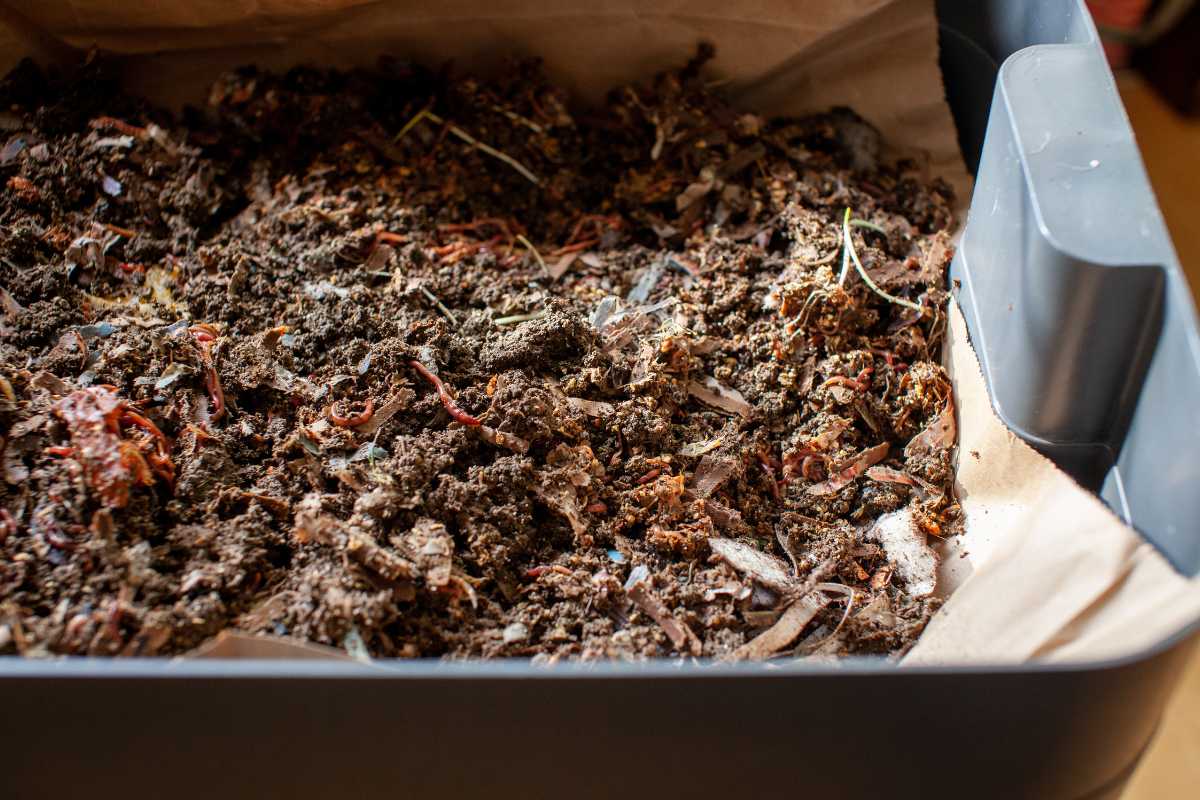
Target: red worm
x,y
213,382
160,460
444,394
134,418
577,246
649,476
356,420
113,123
849,383
205,334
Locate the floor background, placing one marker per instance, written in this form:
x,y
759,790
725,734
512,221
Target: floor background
x,y
1171,149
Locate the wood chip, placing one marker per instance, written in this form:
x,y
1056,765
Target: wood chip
x,y
784,631
360,547
693,449
502,439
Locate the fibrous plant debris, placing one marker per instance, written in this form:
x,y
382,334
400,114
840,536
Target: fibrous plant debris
x,y
421,366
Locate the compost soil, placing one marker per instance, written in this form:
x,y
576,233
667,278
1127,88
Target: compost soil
x,y
416,364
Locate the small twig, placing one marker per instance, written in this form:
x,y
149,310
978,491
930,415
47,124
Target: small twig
x,y
529,246
412,123
515,117
848,247
440,307
845,249
491,151
871,226
515,318
849,594
83,348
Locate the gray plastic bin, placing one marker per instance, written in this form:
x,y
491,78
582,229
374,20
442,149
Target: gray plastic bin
x,y
1073,295
1088,337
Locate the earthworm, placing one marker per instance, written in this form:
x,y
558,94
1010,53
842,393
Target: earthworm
x,y
205,334
444,394
356,420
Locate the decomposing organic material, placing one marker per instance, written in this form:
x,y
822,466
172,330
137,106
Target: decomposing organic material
x,y
672,426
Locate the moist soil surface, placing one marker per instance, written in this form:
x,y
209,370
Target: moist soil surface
x,y
412,364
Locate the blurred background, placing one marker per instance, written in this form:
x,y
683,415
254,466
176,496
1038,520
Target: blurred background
x,y
1154,49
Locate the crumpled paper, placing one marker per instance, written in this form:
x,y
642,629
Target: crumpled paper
x,y
1044,570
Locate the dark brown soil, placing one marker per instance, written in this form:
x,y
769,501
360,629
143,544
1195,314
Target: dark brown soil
x,y
221,335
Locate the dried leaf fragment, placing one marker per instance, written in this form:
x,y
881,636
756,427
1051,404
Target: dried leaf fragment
x,y
390,408
593,408
714,394
710,473
938,435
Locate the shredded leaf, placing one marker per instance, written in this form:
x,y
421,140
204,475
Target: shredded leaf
x,y
938,435
712,393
